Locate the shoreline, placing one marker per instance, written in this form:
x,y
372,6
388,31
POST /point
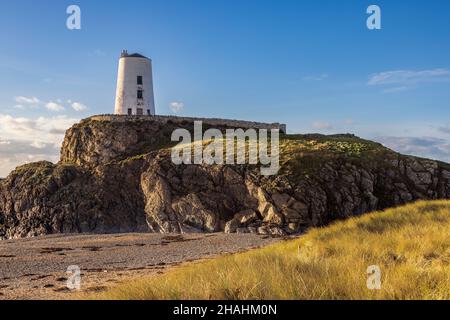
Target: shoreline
x,y
36,268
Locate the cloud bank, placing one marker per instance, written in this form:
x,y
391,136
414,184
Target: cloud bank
x,y
427,147
407,77
402,80
24,140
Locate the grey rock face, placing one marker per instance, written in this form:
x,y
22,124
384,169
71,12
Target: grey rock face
x,y
94,189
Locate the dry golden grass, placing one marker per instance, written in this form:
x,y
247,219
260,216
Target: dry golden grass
x,y
410,244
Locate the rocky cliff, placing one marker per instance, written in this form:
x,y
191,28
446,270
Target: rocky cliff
x,y
117,176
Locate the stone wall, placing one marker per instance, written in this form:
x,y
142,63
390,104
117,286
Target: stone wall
x,y
210,121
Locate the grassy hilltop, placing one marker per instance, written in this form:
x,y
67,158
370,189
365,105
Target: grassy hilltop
x,y
411,245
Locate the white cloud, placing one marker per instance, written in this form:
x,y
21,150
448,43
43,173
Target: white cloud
x,y
445,129
176,106
78,106
395,89
25,100
38,144
26,140
427,147
45,129
14,153
52,106
322,125
403,78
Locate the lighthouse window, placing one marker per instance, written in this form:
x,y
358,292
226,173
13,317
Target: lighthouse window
x,y
139,94
139,80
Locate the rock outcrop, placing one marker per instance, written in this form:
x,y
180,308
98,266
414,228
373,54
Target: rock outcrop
x,y
119,177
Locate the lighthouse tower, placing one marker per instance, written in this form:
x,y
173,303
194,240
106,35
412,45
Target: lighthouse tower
x,y
134,94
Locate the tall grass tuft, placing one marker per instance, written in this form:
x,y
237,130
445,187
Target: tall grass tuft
x,y
410,244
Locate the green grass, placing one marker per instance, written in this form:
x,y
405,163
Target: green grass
x,y
410,244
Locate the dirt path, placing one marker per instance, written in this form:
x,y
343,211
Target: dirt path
x,y
37,268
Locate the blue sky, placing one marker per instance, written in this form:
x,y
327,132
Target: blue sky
x,y
313,65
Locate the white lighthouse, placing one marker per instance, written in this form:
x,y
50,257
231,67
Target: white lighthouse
x,y
134,94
